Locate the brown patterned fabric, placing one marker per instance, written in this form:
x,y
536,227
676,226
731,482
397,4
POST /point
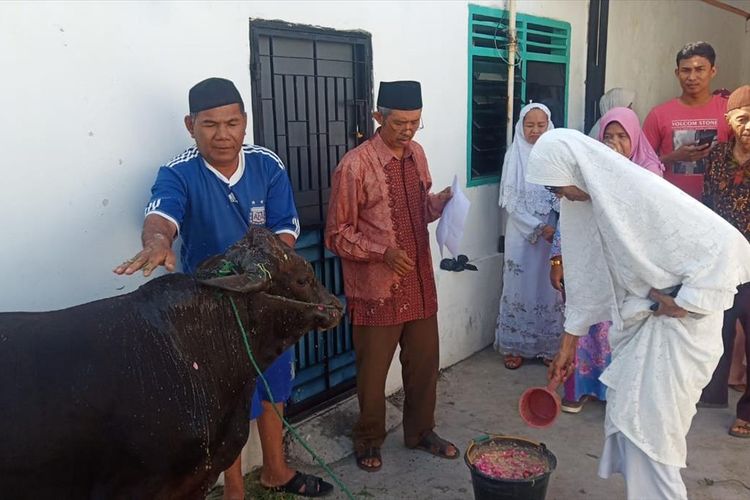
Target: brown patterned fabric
x,y
378,201
727,187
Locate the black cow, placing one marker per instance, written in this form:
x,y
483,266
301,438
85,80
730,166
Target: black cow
x,y
147,395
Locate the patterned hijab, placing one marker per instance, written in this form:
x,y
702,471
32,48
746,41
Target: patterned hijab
x,y
641,152
515,192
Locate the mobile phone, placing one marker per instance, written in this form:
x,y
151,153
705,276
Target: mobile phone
x,y
704,137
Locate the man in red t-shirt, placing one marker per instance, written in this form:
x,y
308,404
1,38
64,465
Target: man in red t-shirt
x,y
683,130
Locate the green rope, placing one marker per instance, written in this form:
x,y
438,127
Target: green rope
x,y
288,426
226,268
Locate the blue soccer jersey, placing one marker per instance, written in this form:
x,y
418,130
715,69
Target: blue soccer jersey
x,y
210,213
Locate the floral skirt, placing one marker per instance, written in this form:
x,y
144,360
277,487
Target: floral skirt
x,y
592,358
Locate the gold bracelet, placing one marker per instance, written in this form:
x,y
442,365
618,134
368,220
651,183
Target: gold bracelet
x,y
555,261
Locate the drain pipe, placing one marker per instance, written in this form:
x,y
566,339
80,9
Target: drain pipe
x,y
511,70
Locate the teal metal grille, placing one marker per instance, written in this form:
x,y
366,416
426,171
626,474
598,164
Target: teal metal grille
x,y
541,76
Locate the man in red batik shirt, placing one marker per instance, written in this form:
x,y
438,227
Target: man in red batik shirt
x,y
377,223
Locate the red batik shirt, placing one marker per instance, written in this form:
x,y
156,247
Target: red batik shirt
x,y
379,201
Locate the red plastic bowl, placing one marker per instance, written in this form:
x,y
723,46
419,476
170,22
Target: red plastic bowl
x,y
539,406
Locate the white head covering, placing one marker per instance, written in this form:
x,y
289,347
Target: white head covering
x,y
616,97
515,192
637,228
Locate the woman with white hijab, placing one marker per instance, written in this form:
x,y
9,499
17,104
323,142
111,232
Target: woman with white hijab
x,y
630,240
529,322
616,97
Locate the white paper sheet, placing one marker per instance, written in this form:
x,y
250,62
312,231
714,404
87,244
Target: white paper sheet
x,y
450,229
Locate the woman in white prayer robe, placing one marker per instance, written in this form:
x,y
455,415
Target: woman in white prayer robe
x,y
529,320
631,239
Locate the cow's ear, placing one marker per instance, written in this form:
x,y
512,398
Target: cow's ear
x,y
243,283
237,283
254,280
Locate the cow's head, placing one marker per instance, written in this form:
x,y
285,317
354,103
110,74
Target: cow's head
x,y
260,262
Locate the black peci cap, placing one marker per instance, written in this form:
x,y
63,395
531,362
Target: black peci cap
x,y
213,93
405,95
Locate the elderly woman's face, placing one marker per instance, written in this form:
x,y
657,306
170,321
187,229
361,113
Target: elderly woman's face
x,y
618,139
739,120
534,125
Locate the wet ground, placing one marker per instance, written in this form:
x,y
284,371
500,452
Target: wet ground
x,y
479,396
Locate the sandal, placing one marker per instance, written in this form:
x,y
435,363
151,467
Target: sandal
x,y
369,453
513,362
434,444
304,485
569,406
740,430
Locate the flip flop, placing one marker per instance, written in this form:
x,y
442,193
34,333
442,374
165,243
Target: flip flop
x,y
739,434
434,444
369,453
313,486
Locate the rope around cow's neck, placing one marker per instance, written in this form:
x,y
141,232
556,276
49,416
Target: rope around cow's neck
x,y
288,426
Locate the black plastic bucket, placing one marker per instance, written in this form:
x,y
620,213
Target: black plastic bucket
x,y
491,488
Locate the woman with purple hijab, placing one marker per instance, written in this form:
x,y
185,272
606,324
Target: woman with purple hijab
x,y
620,130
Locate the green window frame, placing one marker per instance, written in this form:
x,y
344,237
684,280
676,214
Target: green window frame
x,y
544,49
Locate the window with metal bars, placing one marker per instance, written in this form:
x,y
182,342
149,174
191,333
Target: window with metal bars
x,y
541,75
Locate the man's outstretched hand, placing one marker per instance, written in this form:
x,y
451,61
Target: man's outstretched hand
x,y
158,235
156,253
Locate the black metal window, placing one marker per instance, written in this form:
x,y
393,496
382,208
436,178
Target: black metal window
x,y
312,95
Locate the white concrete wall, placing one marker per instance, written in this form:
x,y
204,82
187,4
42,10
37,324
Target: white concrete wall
x,y
645,35
93,96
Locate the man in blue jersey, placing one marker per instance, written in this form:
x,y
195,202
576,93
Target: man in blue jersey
x,y
210,195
